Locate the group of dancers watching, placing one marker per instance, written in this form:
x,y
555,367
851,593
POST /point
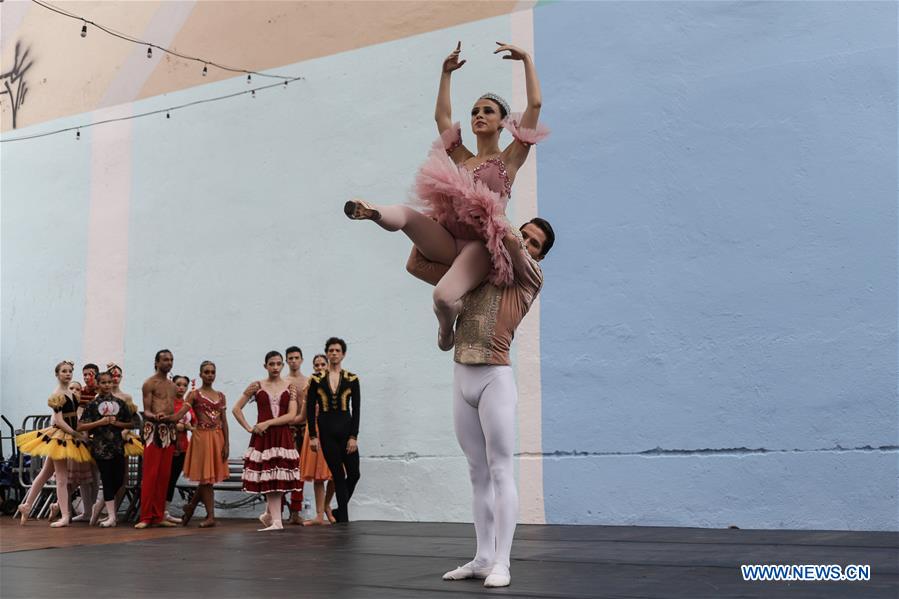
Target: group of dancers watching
x,y
184,430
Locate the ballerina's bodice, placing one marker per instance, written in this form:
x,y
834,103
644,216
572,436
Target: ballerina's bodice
x,y
492,173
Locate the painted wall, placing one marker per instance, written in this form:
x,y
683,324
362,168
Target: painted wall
x,y
716,341
719,319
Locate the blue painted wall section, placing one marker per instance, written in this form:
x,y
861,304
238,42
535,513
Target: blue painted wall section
x,y
719,316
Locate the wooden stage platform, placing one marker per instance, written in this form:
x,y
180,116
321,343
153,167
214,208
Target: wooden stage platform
x,y
400,560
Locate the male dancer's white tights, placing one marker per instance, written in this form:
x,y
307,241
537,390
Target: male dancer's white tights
x,y
484,401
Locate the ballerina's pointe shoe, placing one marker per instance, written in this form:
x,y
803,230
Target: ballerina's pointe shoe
x,y
499,577
82,517
188,514
266,520
23,512
54,511
207,523
273,527
61,523
359,210
445,341
109,523
469,570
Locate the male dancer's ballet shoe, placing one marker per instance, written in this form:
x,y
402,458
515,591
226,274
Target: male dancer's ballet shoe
x,y
469,570
139,526
207,523
23,512
166,524
188,514
359,210
499,577
110,523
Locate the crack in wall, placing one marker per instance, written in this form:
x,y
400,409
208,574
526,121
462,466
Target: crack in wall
x,y
655,452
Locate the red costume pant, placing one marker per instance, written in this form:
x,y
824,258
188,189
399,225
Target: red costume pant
x,y
155,482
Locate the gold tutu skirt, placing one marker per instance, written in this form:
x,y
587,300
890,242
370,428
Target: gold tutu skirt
x,y
53,443
133,446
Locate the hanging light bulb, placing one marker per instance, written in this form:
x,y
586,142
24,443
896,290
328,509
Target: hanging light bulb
x,y
149,52
205,70
84,30
249,79
285,83
78,134
167,115
253,93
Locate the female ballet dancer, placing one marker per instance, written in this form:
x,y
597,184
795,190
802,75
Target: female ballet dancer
x,y
206,462
183,427
314,468
464,195
56,443
105,417
272,462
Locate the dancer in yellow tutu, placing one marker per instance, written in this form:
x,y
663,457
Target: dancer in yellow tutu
x,y
56,443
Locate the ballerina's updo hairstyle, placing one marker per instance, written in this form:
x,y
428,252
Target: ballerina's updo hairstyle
x,y
206,363
272,354
61,364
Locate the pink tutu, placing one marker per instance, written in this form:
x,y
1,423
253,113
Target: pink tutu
x,y
471,204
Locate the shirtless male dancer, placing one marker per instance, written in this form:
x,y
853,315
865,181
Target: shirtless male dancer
x,y
485,397
159,441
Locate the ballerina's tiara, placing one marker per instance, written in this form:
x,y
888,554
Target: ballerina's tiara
x,y
499,100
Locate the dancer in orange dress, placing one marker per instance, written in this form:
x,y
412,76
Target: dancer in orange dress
x,y
314,468
206,461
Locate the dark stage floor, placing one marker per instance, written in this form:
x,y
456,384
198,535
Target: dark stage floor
x,y
405,560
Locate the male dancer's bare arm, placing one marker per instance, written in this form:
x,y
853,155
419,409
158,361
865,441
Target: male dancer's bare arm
x,y
147,399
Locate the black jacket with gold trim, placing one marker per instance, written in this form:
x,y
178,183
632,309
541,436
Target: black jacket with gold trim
x,y
346,399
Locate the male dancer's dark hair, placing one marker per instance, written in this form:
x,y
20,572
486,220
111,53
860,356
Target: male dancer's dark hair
x,y
547,229
336,340
293,349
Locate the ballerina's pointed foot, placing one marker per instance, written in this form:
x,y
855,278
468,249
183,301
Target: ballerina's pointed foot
x,y
96,510
445,341
54,511
61,523
359,210
23,511
109,523
188,514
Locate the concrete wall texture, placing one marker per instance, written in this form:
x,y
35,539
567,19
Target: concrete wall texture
x,y
716,340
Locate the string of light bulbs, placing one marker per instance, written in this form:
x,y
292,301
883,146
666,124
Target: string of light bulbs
x,y
283,79
150,46
167,111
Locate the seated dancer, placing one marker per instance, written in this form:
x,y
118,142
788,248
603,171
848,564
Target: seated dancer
x,y
56,444
484,394
206,462
464,195
271,465
159,441
183,426
314,468
335,396
105,417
